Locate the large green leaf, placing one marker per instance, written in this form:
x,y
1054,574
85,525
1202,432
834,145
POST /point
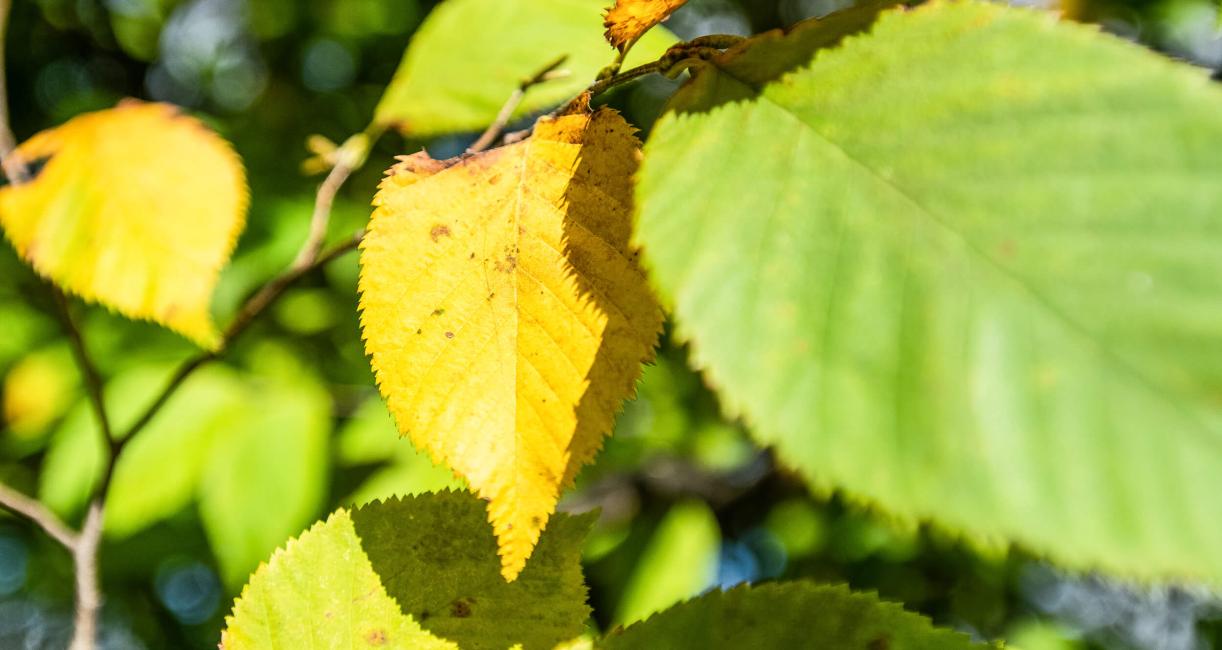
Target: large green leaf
x,y
784,616
470,55
425,561
967,268
438,558
320,591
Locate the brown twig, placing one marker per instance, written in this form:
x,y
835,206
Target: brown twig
x,y
31,509
89,371
88,593
494,130
14,168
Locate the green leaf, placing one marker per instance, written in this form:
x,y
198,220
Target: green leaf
x,y
679,562
169,453
437,557
784,616
470,55
967,268
321,592
369,437
267,473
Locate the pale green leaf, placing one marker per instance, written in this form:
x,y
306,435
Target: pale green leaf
x,y
169,453
470,55
320,591
679,562
267,473
369,437
967,268
785,616
437,557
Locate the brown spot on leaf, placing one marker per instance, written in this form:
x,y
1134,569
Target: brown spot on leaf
x,y
439,311
881,643
461,608
376,637
438,231
449,335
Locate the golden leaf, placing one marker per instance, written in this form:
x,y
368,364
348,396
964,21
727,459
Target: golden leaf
x,y
628,20
136,208
506,314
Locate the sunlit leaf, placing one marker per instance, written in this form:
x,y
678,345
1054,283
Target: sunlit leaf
x,y
785,616
967,268
370,437
628,20
320,591
169,453
501,42
266,474
679,562
136,207
505,312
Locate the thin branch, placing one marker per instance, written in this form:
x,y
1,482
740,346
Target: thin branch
x,y
89,370
88,593
249,312
14,168
494,130
32,509
603,85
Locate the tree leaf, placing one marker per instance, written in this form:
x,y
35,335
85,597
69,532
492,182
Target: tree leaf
x,y
266,474
502,42
628,20
370,437
680,562
966,268
320,591
437,557
137,208
784,616
172,449
505,312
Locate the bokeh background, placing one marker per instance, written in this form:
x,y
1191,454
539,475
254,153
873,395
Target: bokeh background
x,y
688,502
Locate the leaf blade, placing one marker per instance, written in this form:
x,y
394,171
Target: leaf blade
x,y
786,615
137,208
434,92
528,319
628,20
945,276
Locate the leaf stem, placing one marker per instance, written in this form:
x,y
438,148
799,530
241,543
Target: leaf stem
x,y
13,167
33,510
494,130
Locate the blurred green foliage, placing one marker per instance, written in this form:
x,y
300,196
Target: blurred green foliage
x,y
290,426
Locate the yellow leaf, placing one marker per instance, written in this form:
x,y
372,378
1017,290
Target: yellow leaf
x,y
136,208
505,312
628,20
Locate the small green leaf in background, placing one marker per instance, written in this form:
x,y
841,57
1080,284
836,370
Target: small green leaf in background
x,y
370,437
680,562
171,450
967,268
470,55
786,616
267,471
438,558
319,591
